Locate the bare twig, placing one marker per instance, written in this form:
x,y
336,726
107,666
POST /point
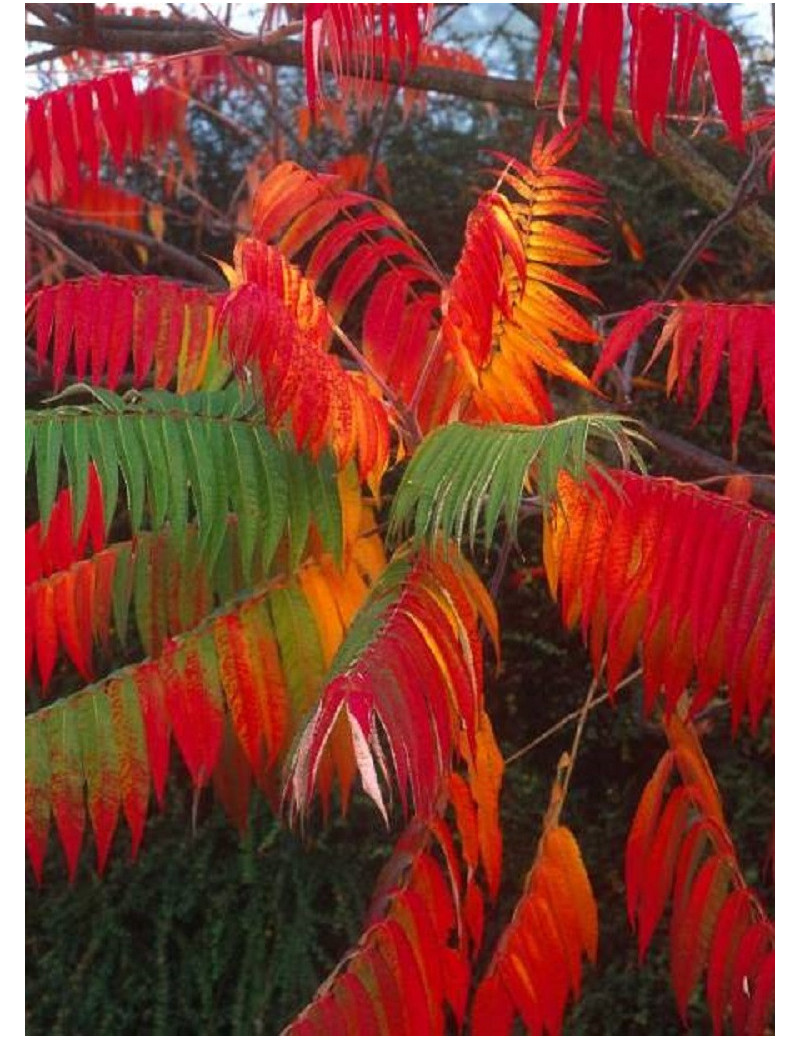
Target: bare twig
x,y
722,478
303,153
430,357
583,715
49,55
54,242
185,262
232,124
565,721
502,563
454,9
698,460
743,196
378,138
406,417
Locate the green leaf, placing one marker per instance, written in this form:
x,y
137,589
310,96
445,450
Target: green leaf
x,y
178,494
299,507
204,452
92,716
245,491
157,469
460,471
276,460
30,437
143,599
76,452
219,457
102,448
121,591
300,648
48,456
323,492
201,474
132,459
371,616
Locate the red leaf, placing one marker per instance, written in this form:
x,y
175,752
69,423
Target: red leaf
x,y
692,928
395,947
240,686
642,832
45,314
194,709
121,329
744,330
567,45
690,32
732,922
72,628
131,744
151,692
547,25
661,865
653,56
763,999
599,57
113,125
64,321
36,119
83,94
726,75
64,133
129,110
755,948
466,819
46,638
766,364
232,778
623,336
492,1008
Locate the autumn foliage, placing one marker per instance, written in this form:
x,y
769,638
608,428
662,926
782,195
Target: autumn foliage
x,y
218,564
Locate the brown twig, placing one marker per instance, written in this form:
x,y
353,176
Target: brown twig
x,y
583,715
54,242
406,417
50,54
430,357
303,153
378,138
189,264
566,719
232,124
698,460
502,563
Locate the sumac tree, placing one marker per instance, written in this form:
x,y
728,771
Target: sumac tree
x,y
258,483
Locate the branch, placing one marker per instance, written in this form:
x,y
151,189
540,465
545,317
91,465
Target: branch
x,y
374,155
193,267
303,153
742,197
54,242
698,460
565,721
409,422
583,715
49,55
